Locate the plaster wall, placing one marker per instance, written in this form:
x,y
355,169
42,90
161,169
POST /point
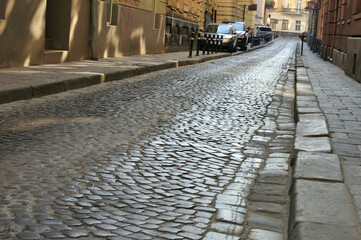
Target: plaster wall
x,y
134,32
79,35
22,33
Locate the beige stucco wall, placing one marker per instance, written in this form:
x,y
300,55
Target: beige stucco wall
x,y
134,32
79,36
292,18
22,33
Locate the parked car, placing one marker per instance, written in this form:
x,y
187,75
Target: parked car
x,y
242,34
264,32
227,31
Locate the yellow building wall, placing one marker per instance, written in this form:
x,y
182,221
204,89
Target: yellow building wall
x,y
236,10
287,10
137,29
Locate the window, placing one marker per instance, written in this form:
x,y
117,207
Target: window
x,y
185,30
356,6
287,5
112,13
274,23
177,29
168,28
299,6
298,25
2,9
284,24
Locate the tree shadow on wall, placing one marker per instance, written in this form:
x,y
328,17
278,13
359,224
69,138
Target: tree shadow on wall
x,y
22,33
133,33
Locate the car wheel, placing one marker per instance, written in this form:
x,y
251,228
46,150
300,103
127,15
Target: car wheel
x,y
244,46
233,47
230,48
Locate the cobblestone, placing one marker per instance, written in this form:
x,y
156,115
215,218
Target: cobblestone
x,y
145,157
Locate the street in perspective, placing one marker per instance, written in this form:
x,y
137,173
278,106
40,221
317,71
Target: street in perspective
x,y
180,119
203,151
167,155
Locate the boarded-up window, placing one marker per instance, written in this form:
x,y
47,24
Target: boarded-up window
x,y
2,9
358,7
112,14
157,20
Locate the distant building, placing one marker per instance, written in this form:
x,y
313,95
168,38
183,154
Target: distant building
x,y
237,10
287,17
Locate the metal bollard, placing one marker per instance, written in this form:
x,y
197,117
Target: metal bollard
x,y
209,42
217,43
221,45
252,40
214,44
197,40
191,45
302,38
205,44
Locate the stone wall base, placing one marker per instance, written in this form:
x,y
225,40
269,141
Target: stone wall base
x,y
353,58
339,58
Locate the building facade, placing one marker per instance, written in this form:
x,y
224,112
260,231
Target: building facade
x,y
237,10
51,31
287,17
315,24
54,31
341,35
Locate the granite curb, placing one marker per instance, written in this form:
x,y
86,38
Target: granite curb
x,y
321,204
43,85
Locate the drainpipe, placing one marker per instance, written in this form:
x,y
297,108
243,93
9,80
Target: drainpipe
x,y
205,14
94,8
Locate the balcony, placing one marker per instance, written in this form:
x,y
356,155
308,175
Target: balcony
x,y
292,11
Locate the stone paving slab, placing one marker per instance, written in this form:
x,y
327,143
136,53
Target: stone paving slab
x,y
313,144
306,109
318,166
315,231
322,202
261,234
312,125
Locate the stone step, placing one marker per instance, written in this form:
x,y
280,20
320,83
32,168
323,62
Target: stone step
x,y
55,56
48,44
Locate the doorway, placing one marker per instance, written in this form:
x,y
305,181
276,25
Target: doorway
x,y
58,23
57,27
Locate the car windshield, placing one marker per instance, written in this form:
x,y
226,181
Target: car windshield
x,y
239,26
265,29
221,29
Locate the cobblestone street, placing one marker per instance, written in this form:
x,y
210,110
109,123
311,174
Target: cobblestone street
x,y
167,155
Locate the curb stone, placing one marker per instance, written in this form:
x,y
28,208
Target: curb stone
x,y
321,205
47,85
268,201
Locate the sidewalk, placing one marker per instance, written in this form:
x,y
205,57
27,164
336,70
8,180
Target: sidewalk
x,y
326,191
35,81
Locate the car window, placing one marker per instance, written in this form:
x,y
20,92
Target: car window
x,y
239,26
224,29
265,29
212,28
